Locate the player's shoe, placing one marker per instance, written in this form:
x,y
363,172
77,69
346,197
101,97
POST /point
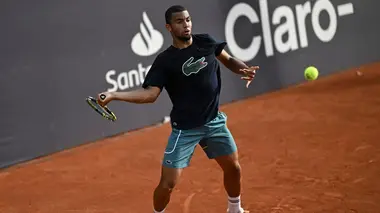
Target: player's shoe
x,y
240,211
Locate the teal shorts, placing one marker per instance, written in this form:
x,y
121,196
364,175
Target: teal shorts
x,y
214,137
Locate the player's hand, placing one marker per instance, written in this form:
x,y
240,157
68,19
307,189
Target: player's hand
x,y
249,73
104,98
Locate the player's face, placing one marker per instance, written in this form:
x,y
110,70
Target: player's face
x,y
181,25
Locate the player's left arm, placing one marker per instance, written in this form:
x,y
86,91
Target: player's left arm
x,y
237,66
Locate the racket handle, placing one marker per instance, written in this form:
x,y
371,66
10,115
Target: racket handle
x,y
102,96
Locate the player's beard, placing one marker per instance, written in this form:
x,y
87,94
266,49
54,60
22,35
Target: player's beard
x,y
184,38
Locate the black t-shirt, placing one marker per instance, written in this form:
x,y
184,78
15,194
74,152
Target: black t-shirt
x,y
191,76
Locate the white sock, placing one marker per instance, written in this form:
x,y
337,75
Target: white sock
x,y
234,204
158,212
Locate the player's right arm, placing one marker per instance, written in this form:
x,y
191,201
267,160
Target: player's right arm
x,y
153,84
139,96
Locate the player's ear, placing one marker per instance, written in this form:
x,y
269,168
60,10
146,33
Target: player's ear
x,y
168,27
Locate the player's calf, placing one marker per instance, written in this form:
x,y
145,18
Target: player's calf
x,y
232,174
162,193
232,180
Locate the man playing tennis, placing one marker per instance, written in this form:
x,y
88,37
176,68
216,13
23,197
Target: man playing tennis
x,y
190,73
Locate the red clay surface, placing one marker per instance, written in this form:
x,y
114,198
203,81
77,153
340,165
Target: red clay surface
x,y
310,148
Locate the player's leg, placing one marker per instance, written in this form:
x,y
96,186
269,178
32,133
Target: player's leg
x,y
162,193
219,144
232,180
231,172
177,156
228,161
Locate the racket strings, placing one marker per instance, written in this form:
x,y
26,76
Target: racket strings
x,y
104,111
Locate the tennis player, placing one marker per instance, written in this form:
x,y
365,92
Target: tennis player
x,y
189,71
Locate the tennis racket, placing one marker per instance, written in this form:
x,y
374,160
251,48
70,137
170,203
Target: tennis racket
x,y
103,111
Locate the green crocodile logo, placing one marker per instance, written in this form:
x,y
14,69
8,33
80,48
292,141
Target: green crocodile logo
x,y
189,68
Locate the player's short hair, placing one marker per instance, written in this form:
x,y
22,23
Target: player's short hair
x,y
173,9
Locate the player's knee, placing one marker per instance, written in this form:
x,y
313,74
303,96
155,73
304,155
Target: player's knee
x,y
232,169
167,184
230,164
169,178
235,169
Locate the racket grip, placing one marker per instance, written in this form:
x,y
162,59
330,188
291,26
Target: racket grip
x,y
102,96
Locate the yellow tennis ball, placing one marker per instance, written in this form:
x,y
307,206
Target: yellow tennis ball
x,y
311,73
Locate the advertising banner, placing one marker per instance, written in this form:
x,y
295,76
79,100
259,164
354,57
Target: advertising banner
x,y
54,54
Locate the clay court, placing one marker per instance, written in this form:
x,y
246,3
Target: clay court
x,y
311,148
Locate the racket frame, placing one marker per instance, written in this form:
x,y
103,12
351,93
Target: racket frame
x,y
106,113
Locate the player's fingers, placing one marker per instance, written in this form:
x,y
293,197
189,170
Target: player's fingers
x,y
247,78
249,71
248,83
252,74
254,67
